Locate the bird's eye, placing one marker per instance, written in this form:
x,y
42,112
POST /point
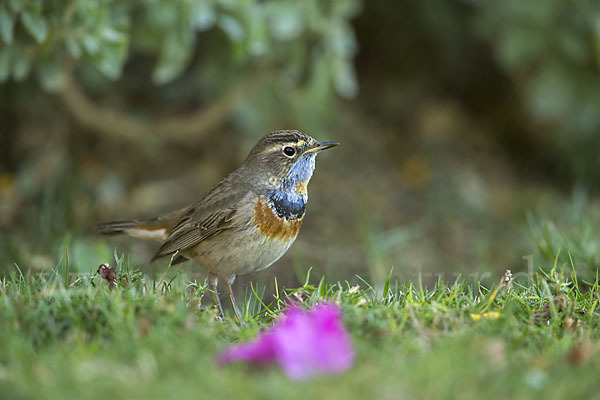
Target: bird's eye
x,y
289,151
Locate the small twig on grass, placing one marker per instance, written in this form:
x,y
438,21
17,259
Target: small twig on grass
x,y
109,274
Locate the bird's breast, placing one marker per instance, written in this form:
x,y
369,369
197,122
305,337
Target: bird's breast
x,y
272,225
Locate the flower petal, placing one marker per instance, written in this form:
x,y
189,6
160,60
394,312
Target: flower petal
x,y
309,343
303,343
259,351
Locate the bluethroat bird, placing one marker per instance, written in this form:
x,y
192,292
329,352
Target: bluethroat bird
x,y
247,221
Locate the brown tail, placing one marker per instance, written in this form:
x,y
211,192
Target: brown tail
x,y
116,227
153,229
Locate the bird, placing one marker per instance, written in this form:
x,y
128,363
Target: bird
x,y
246,222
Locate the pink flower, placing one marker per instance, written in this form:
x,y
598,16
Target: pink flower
x,y
303,343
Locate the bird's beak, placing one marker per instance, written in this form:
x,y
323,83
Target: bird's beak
x,y
321,146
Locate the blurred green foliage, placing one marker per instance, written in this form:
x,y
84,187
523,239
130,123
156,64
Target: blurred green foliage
x,y
529,68
309,44
548,49
551,50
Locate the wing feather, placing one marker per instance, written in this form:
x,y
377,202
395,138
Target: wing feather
x,y
216,212
189,234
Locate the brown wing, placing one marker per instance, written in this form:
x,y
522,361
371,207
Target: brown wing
x,y
213,214
189,233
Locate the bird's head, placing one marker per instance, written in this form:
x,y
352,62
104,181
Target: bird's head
x,y
286,159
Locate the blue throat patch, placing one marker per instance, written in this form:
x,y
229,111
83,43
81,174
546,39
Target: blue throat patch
x,y
286,201
286,206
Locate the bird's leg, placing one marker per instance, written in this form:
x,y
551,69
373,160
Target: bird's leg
x,y
228,284
213,281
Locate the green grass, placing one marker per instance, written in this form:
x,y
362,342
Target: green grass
x,y
75,338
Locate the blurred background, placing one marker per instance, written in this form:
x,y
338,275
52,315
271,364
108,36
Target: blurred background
x,y
470,129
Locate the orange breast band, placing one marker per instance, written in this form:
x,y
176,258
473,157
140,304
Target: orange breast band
x,y
273,226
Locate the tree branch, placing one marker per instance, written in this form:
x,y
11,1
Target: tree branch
x,y
184,128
